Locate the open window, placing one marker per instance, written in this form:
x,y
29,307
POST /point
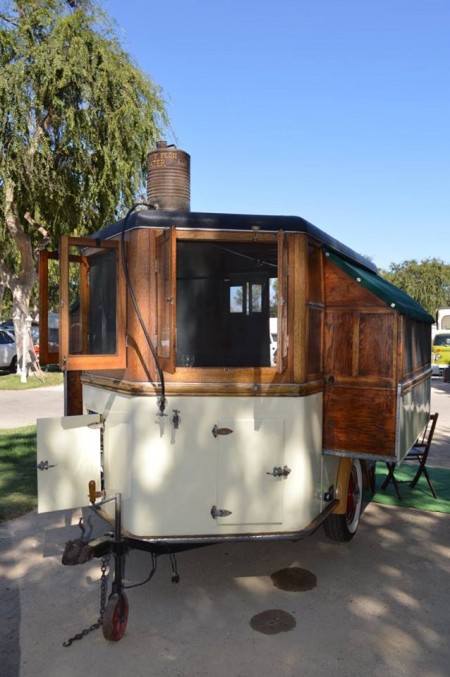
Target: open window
x,y
48,307
226,303
91,305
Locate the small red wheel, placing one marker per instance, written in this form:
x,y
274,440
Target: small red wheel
x,y
115,618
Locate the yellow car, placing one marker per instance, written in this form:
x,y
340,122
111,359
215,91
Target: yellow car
x,y
440,352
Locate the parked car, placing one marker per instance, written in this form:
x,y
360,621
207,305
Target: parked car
x,y
8,326
8,352
440,352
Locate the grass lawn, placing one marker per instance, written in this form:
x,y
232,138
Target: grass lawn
x,y
18,482
12,381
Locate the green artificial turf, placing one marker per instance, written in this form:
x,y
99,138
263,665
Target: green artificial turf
x,y
419,497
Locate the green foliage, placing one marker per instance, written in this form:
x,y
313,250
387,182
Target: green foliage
x,y
427,281
77,118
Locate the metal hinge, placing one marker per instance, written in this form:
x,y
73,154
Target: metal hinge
x,y
278,471
45,465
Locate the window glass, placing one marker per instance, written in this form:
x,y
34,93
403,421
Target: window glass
x,y
256,298
442,340
236,299
6,338
93,300
226,294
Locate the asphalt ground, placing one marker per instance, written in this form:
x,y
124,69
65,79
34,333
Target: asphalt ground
x,y
378,604
20,408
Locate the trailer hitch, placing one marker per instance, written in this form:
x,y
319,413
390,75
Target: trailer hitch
x,y
114,610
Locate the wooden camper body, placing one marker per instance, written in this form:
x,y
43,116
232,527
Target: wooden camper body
x,y
351,376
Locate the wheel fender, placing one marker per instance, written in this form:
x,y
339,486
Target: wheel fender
x,y
343,478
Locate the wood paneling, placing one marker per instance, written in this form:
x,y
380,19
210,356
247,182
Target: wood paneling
x,y
341,290
360,420
361,361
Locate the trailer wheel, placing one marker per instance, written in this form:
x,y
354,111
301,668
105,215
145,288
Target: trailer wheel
x,y
343,527
116,617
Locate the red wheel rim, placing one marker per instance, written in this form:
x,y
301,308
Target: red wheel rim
x,y
116,617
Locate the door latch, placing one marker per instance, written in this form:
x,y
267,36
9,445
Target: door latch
x,y
45,465
278,471
220,431
218,512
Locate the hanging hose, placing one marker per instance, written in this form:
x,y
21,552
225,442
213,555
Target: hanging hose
x,y
162,398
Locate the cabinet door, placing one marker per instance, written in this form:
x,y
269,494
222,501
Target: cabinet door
x,y
68,458
248,454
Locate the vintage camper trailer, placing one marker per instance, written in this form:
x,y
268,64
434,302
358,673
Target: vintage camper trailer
x,y
185,424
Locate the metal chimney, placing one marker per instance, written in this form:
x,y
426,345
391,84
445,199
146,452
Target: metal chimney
x,y
169,177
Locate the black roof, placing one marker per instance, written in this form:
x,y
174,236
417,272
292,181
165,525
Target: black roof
x,y
146,218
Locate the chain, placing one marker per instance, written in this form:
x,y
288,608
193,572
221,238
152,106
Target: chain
x,y
103,593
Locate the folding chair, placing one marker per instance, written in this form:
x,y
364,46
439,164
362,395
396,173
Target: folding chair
x,y
390,477
419,453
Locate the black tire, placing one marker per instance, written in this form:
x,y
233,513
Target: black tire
x,y
13,366
343,527
116,617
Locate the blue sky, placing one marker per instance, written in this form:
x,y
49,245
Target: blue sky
x,y
334,110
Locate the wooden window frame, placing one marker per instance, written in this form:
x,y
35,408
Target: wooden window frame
x,y
46,356
84,361
166,257
167,300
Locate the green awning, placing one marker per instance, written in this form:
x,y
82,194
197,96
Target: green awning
x,y
387,292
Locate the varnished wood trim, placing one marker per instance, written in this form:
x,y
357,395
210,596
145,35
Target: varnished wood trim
x,y
377,382
372,310
226,236
298,315
204,389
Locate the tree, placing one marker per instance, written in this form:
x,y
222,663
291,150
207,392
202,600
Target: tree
x,y
427,281
77,118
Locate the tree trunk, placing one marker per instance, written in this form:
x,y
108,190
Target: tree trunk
x,y
21,280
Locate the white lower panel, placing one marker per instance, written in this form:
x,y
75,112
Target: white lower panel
x,y
171,477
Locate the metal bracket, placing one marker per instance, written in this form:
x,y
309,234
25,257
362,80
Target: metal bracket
x,y
280,472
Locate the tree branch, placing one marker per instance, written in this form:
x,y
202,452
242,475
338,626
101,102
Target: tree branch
x,y
16,230
8,20
45,238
